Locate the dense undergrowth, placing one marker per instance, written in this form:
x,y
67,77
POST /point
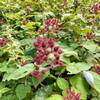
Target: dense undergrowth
x,y
49,50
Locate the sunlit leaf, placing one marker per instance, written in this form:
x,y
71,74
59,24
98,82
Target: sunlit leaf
x,y
21,72
62,83
80,85
75,68
55,97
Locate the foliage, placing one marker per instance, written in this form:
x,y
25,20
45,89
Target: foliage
x,y
49,49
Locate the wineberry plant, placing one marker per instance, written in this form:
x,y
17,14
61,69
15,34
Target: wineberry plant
x,y
49,49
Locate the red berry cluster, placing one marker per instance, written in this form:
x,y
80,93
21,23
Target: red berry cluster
x,y
96,68
50,26
45,47
25,21
36,74
28,9
95,9
3,41
71,95
89,35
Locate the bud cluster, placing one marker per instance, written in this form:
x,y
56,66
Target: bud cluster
x,y
50,26
95,9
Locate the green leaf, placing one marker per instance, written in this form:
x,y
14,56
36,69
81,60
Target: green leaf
x,y
3,90
43,92
9,97
69,52
27,41
91,46
75,68
12,16
22,90
3,67
21,72
62,83
80,85
40,95
55,97
30,25
96,83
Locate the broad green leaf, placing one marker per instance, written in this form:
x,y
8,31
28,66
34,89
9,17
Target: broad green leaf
x,y
91,46
75,68
80,85
43,92
96,83
55,97
62,83
21,72
22,90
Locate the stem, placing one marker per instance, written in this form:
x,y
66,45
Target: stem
x,y
52,76
75,4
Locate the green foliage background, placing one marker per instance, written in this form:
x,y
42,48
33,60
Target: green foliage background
x,y
79,55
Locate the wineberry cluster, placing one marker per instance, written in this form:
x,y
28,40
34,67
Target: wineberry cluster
x,y
95,9
46,47
96,68
25,21
89,35
3,41
71,95
50,26
1,21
